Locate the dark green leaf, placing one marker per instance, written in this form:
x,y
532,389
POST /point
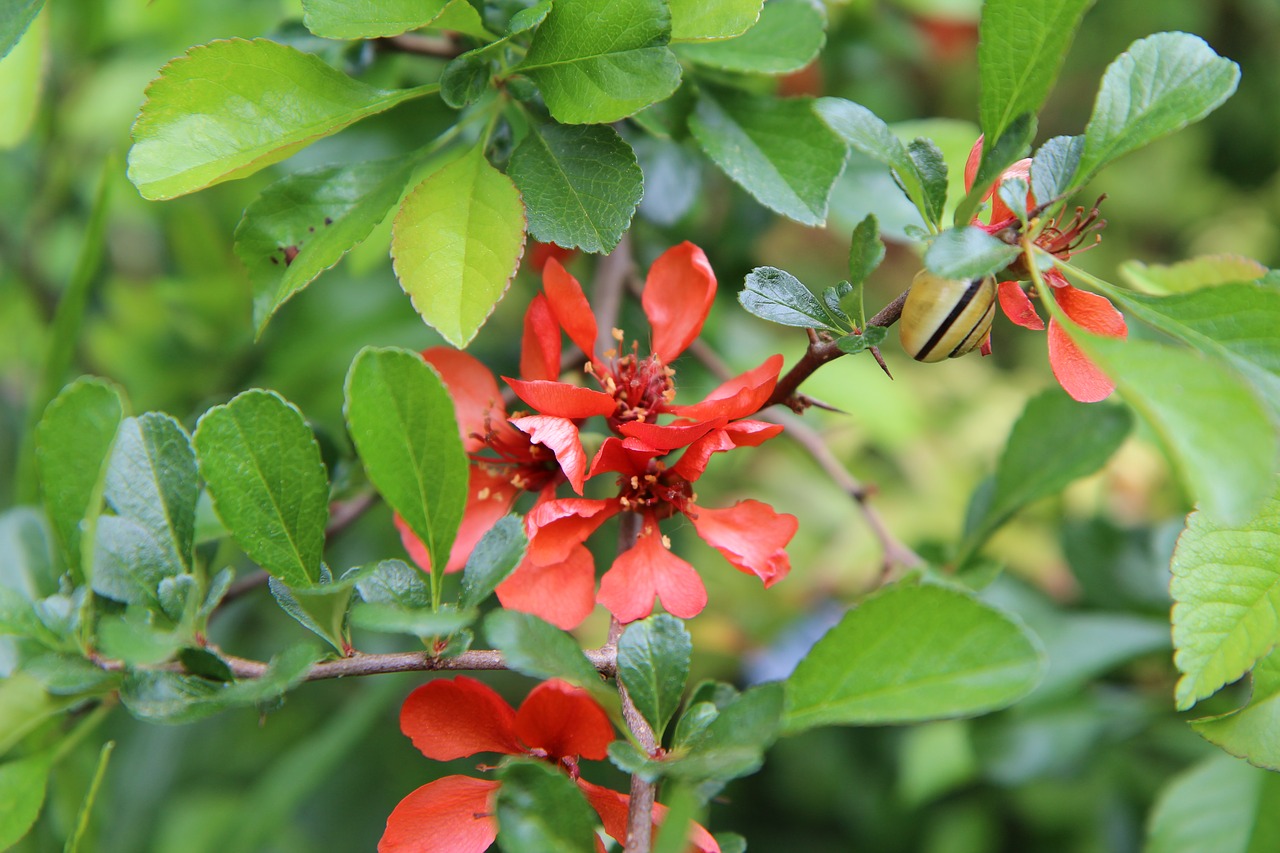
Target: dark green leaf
x,y
340,19
268,483
1160,84
73,442
539,649
1226,589
832,297
541,809
205,663
403,425
1054,165
22,788
456,244
1008,149
236,88
696,717
422,622
872,336
394,582
464,80
589,78
129,561
672,178
302,225
1221,804
968,252
786,38
1080,438
151,479
495,557
653,664
932,168
866,251
17,16
778,150
1021,46
779,297
321,609
733,744
697,19
580,185
912,653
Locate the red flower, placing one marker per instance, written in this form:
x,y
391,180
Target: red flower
x,y
460,717
1078,376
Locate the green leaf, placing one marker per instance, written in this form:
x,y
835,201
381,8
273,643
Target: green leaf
x,y
860,128
136,637
421,622
734,743
968,252
24,705
268,483
403,425
456,244
151,479
866,251
1053,443
596,63
26,539
321,609
21,78
672,178
130,561
836,294
393,582
1053,166
22,789
69,674
73,442
340,19
1220,804
302,225
1226,592
465,79
1160,84
871,336
1224,446
539,809
786,38
776,149
214,114
539,649
697,19
653,664
779,297
1250,732
912,653
1021,46
90,797
495,557
580,185
1191,274
17,16
932,169
1012,145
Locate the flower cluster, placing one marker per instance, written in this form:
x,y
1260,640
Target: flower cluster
x,y
1077,375
654,465
455,718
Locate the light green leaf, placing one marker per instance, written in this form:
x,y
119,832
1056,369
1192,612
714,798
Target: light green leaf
x,y
539,649
21,78
1191,274
1160,84
321,609
342,19
1080,438
1251,732
90,797
580,185
968,252
215,114
777,150
866,251
1221,804
912,653
1054,165
73,442
539,809
151,479
421,622
129,561
268,483
403,425
135,638
1021,46
697,19
16,17
495,557
734,743
457,243
597,62
653,664
787,37
302,225
1224,446
22,789
1226,592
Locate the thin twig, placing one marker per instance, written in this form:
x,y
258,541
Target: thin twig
x,y
610,283
421,45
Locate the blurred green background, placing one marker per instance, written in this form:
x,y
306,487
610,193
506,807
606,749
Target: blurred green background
x,y
1074,768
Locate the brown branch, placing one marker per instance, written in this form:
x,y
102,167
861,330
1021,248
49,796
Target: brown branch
x,y
611,279
421,45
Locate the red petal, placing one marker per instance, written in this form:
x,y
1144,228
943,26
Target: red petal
x,y
613,807
561,437
1017,306
1077,375
1020,169
563,593
1093,312
454,718
556,527
564,721
1056,278
540,253
971,163
630,456
669,437
693,462
741,396
647,570
540,346
562,399
473,389
489,498
570,306
450,815
751,535
677,297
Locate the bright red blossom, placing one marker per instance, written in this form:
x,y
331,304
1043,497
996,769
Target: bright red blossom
x,y
1077,375
454,718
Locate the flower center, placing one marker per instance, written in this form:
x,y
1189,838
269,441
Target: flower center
x,y
522,463
1063,240
642,387
657,491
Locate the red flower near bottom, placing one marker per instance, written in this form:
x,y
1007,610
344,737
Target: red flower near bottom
x,y
454,718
